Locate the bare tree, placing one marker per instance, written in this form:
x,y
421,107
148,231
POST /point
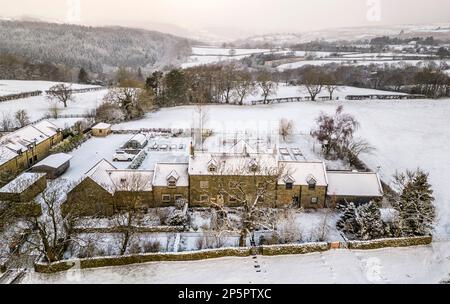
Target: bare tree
x,y
22,118
133,186
313,82
331,85
244,86
286,128
356,147
254,189
7,122
54,231
266,84
335,132
61,93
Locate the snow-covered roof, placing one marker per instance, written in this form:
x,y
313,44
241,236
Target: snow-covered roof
x,y
112,179
6,154
362,184
22,182
242,147
302,173
54,161
131,180
47,128
139,138
164,171
232,164
99,174
22,138
102,126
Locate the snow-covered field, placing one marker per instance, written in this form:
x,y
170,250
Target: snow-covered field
x,y
39,106
209,55
427,264
354,62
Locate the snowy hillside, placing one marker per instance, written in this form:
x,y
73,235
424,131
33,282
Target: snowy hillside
x,y
95,48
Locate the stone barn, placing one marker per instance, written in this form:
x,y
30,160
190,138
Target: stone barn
x,y
353,186
54,166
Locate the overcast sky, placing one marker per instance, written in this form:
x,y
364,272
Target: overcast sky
x,y
250,15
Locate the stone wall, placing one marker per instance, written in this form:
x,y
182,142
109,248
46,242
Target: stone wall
x,y
276,250
385,243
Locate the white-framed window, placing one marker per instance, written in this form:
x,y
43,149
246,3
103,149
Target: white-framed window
x,y
212,169
289,186
204,198
178,197
314,200
166,198
204,184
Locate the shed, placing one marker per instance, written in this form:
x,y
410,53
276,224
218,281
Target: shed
x,y
101,130
54,166
24,188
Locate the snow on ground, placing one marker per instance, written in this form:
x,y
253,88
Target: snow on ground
x,y
354,62
39,106
92,151
19,86
406,133
210,55
425,264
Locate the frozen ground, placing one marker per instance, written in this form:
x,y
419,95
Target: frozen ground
x,y
406,134
39,106
427,264
353,61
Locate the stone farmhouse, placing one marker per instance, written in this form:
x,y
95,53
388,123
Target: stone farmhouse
x,y
27,146
227,179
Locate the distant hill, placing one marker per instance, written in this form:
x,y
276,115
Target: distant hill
x,y
440,31
98,49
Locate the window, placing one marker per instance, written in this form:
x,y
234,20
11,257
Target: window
x,y
178,197
314,200
312,186
204,184
204,198
212,169
166,198
172,184
100,131
289,186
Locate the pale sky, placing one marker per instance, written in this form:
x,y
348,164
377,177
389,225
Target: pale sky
x,y
248,15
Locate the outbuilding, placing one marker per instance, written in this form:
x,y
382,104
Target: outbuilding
x,y
54,166
24,188
353,186
101,130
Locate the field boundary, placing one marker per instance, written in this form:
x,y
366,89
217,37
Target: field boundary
x,y
275,250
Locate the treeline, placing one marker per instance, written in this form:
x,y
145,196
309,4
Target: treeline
x,y
97,49
386,40
20,68
430,79
230,83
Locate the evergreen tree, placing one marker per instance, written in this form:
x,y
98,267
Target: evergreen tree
x,y
348,223
140,77
415,205
370,223
83,76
